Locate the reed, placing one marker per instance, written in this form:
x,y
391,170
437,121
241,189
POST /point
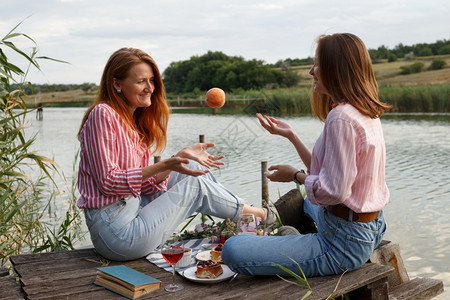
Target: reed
x,y
404,99
27,185
420,98
289,101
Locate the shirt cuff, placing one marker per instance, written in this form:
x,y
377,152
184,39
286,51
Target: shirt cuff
x,y
134,178
309,187
150,187
162,186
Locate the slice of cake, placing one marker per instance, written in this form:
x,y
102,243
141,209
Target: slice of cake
x,y
208,269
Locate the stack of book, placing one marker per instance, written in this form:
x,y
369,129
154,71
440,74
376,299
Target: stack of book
x,y
126,281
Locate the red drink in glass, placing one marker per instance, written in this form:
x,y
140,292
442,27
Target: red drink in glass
x,y
173,255
172,252
225,235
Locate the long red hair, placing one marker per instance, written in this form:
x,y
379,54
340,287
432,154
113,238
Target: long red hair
x,y
347,74
150,121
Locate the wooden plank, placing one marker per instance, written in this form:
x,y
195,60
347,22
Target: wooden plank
x,y
10,289
59,277
46,267
70,291
4,272
417,288
98,295
51,256
367,274
57,280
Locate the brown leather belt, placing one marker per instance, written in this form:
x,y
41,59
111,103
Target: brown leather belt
x,y
344,212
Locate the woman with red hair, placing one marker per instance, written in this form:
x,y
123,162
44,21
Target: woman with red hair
x,y
128,201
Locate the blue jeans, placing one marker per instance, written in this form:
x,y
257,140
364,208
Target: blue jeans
x,y
133,227
338,245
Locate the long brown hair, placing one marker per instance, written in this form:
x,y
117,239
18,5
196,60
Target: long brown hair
x,y
150,121
347,74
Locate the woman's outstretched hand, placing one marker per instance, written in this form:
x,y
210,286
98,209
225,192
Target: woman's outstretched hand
x,y
281,173
198,153
275,126
177,164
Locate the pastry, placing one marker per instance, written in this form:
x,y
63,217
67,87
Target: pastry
x,y
208,269
216,253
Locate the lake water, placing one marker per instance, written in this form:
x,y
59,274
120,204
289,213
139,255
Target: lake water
x,y
417,170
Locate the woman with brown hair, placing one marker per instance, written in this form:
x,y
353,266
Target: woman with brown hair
x,y
345,178
128,201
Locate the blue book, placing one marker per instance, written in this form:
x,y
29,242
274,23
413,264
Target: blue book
x,y
126,281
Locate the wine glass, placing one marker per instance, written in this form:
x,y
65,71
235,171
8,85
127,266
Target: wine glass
x,y
172,250
247,224
225,235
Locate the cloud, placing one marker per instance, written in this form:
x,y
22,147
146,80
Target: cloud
x,y
86,32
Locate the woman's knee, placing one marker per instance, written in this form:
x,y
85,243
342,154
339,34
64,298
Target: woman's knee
x,y
229,251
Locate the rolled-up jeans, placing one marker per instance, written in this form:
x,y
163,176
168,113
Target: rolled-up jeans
x,y
339,245
132,227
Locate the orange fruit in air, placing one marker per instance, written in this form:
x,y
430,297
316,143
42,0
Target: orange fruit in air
x,y
215,98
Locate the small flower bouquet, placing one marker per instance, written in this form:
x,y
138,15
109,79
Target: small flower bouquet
x,y
209,230
214,229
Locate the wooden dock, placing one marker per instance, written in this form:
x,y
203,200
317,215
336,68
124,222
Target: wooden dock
x,y
71,275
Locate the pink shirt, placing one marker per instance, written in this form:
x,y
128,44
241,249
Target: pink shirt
x,y
111,161
348,162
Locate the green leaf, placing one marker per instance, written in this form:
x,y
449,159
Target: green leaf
x,y
308,293
53,59
293,274
29,58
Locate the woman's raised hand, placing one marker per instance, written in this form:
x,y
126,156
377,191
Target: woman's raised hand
x,y
198,153
275,126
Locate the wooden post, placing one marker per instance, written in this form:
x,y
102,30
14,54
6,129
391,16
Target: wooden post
x,y
265,184
203,218
156,159
40,112
388,254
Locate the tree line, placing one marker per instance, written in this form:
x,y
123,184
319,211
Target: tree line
x,y
234,73
51,88
228,72
441,47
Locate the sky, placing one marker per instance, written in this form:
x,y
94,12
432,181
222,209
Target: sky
x,y
84,33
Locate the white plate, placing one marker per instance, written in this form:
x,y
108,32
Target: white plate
x,y
190,274
203,255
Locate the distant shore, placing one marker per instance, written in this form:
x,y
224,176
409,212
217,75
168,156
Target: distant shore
x,y
424,91
404,99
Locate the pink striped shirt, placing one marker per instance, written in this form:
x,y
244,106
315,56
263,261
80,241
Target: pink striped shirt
x,y
111,161
348,162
